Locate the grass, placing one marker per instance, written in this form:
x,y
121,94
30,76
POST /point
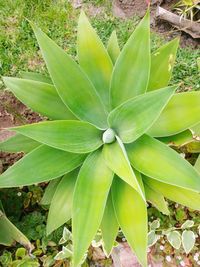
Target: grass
x,y
19,50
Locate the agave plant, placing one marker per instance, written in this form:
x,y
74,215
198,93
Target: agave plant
x,y
105,145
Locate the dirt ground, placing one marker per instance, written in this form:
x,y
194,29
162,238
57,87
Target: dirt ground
x,y
128,8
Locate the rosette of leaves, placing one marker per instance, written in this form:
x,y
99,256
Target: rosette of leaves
x,y
105,145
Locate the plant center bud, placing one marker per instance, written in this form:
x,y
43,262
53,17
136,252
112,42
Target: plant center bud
x,y
108,136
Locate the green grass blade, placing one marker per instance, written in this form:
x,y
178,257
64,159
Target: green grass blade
x,y
131,71
35,77
39,96
93,58
182,112
179,139
90,196
158,161
117,160
18,143
72,136
180,195
157,199
162,62
113,47
62,202
40,165
131,213
73,86
133,118
109,226
49,192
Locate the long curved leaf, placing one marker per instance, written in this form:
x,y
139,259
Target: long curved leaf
x,y
117,160
183,196
39,96
73,86
35,77
182,112
179,139
9,234
18,143
197,164
72,136
131,213
62,201
49,192
90,195
196,129
157,199
133,64
40,165
93,58
113,47
133,118
160,162
162,62
109,226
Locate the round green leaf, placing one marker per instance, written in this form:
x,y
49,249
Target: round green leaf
x,y
174,239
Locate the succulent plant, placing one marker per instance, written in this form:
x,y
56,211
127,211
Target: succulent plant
x,y
105,146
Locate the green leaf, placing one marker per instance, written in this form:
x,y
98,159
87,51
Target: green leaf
x,y
152,238
182,112
39,96
197,164
73,86
35,77
187,224
196,129
155,224
62,202
156,160
133,118
109,226
90,196
72,136
177,194
188,240
93,58
156,199
179,139
113,47
131,213
49,192
131,71
174,239
40,165
18,143
162,62
117,160
9,233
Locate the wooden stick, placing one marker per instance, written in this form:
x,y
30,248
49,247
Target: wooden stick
x,y
188,26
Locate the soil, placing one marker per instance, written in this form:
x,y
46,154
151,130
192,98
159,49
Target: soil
x,y
129,8
12,113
